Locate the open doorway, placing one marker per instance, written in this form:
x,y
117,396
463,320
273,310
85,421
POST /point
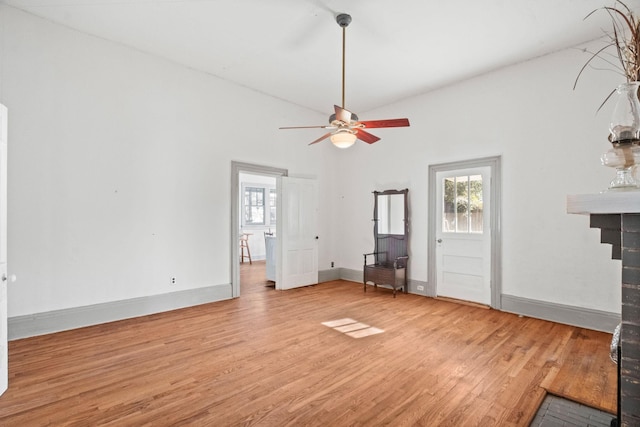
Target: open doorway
x,y
258,232
254,194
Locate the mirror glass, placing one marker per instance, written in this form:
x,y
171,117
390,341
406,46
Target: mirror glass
x,y
391,214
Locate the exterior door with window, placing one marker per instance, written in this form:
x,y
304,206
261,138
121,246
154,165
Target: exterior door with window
x,y
463,235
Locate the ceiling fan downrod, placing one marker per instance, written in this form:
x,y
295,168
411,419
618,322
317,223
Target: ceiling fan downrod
x,y
343,20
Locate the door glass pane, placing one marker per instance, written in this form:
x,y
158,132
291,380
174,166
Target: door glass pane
x,y
475,204
449,206
462,204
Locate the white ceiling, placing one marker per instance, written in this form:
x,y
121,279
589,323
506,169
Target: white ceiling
x,y
291,49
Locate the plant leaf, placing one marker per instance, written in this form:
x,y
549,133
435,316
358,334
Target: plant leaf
x,y
593,56
605,100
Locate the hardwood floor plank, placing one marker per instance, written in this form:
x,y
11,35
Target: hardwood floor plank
x,y
266,359
583,358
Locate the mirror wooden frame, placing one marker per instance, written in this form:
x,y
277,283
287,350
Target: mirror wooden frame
x,y
387,264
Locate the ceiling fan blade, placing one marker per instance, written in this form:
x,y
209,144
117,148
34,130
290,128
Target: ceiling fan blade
x,y
308,127
388,123
325,136
366,136
342,114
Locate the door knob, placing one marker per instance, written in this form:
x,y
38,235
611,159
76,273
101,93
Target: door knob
x,y
439,240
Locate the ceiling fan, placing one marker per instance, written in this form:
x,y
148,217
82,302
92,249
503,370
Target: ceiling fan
x,y
345,125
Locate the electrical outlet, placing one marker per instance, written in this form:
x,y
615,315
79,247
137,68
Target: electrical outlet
x,y
420,288
331,264
173,280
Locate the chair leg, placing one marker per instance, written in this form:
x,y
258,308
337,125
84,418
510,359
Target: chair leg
x,y
244,244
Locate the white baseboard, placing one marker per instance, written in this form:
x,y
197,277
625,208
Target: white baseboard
x,y
77,317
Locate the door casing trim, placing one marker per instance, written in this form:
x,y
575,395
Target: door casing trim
x,y
495,220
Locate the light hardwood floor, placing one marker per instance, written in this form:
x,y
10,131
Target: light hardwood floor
x,y
266,359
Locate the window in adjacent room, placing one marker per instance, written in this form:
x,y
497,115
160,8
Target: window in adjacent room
x,y
259,205
254,206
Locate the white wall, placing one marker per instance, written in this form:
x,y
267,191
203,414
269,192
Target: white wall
x,y
550,140
120,167
119,170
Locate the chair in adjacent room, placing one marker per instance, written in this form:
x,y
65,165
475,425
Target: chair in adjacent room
x,y
244,246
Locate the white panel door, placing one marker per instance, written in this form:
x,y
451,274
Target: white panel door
x,y
463,248
4,357
297,227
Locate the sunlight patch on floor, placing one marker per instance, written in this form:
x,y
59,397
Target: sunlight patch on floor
x,y
353,328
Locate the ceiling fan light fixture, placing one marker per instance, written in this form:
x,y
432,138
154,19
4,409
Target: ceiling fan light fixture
x,y
343,139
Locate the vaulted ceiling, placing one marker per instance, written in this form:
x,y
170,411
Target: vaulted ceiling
x,y
291,49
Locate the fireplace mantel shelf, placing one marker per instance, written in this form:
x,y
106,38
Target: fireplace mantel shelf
x,y
612,202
